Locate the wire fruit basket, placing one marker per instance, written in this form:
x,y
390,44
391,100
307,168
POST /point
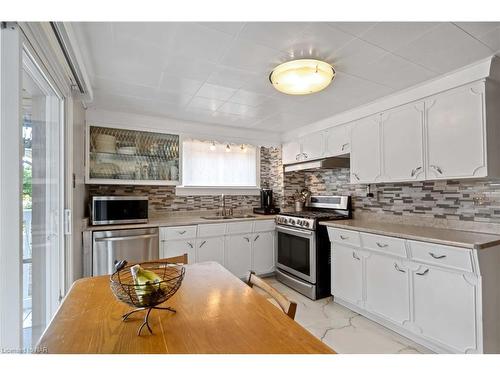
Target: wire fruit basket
x,y
146,296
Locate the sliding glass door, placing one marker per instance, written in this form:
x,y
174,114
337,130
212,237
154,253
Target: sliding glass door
x,y
42,199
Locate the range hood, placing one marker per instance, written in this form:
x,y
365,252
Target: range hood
x,y
328,163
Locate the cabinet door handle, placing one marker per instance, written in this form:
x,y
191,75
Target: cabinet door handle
x,y
344,146
344,237
423,273
246,238
297,157
414,171
256,238
163,241
356,176
382,244
181,232
190,244
305,155
437,256
396,267
437,168
355,256
203,243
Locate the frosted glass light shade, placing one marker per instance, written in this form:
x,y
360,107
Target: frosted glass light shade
x,y
300,77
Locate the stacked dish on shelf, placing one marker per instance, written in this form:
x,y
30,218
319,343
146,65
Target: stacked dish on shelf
x,y
105,143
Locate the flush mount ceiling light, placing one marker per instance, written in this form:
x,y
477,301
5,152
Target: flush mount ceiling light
x,y
300,77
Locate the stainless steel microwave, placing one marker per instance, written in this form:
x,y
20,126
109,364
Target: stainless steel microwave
x,y
119,210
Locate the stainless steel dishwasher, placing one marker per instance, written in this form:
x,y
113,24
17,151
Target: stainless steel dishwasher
x,y
133,245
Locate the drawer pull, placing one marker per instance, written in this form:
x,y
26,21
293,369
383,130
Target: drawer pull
x,y
190,244
181,231
256,238
162,240
344,237
355,256
423,273
246,238
437,256
396,267
382,244
203,243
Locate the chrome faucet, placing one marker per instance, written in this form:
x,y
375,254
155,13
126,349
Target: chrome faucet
x,y
223,210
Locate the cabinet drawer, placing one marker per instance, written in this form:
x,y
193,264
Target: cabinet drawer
x,y
346,237
446,256
178,233
240,227
384,244
264,225
211,230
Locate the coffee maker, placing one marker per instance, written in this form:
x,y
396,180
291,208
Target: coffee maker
x,y
266,203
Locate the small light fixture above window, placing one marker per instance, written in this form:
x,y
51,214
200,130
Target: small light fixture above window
x,y
243,148
228,148
301,77
212,146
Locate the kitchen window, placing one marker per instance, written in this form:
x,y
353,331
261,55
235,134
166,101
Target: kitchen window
x,y
210,168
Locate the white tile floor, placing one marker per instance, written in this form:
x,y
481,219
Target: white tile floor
x,y
344,330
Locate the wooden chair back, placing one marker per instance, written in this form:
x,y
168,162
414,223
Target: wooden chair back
x,y
288,307
182,259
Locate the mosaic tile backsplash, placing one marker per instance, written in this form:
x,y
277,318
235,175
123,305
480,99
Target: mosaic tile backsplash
x,y
463,201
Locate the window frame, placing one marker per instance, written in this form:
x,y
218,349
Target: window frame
x,y
190,190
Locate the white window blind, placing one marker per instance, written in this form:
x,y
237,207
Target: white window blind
x,y
214,165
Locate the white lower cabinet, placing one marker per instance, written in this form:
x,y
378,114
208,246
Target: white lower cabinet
x,y
210,249
239,246
387,287
438,305
239,254
445,307
263,258
347,274
169,249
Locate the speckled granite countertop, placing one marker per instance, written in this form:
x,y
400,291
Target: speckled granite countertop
x,y
451,237
175,220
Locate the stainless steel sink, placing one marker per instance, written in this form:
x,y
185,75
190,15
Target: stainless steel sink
x,y
227,217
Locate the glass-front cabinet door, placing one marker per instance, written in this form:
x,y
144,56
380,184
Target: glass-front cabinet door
x,y
131,157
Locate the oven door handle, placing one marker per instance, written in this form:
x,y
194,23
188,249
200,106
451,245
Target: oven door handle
x,y
288,230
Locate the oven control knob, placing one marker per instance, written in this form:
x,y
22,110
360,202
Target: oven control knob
x,y
291,221
306,224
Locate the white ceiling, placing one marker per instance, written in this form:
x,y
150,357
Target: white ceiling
x,y
218,72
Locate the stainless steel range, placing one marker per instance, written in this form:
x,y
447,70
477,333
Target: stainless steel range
x,y
303,246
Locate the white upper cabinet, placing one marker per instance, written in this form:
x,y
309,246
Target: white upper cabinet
x,y
456,133
291,152
338,140
313,146
365,150
402,143
309,147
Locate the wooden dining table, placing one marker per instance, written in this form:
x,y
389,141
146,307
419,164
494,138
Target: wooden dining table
x,y
216,313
